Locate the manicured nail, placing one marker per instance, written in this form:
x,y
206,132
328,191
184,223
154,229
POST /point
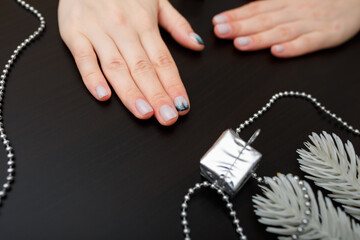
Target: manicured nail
x,y
242,41
196,38
167,112
101,91
223,28
279,48
143,107
220,18
181,104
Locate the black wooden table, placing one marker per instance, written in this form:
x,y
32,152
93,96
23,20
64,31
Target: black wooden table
x,y
90,170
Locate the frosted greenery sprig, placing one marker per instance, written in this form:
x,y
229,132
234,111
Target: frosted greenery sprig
x,y
282,208
334,166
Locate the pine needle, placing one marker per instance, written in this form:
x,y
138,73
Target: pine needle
x,y
334,167
283,207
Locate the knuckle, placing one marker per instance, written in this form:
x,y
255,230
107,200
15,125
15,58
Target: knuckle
x,y
158,96
142,66
285,32
265,21
115,65
163,60
91,75
82,54
131,92
175,88
258,39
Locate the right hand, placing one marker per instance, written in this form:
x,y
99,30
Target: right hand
x,y
124,36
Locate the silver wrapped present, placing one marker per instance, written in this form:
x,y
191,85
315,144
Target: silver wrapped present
x,y
230,162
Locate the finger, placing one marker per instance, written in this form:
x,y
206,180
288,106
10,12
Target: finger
x,y
247,11
304,44
179,28
117,73
166,70
87,63
144,75
273,36
254,24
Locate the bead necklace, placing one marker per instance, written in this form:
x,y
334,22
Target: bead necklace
x,y
230,162
10,63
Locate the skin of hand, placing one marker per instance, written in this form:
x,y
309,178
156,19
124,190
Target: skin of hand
x,y
124,36
289,27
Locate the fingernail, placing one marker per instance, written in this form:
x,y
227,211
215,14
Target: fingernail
x,y
143,107
278,48
223,28
242,41
167,112
196,38
220,18
181,104
101,91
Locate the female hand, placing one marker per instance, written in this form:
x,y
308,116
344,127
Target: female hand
x,y
124,36
289,27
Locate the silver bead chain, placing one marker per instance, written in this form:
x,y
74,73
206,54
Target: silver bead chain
x,y
10,63
307,213
303,95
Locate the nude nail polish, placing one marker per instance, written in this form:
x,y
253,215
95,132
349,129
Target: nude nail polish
x,y
181,103
101,91
167,112
196,38
242,41
223,28
279,48
220,18
143,107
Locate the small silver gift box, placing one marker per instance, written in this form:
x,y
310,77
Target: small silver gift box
x,y
229,162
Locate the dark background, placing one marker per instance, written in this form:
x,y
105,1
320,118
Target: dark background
x,y
90,170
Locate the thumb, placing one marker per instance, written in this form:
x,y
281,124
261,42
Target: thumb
x,y
179,28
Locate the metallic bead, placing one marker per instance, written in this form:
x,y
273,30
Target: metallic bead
x,y
184,205
10,155
296,178
236,221
243,237
308,212
229,205
232,213
191,191
307,203
187,197
9,178
187,230
225,198
10,170
294,236
6,185
183,214
259,179
300,229
184,222
306,196
304,189
301,183
305,221
219,191
187,238
10,163
239,230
